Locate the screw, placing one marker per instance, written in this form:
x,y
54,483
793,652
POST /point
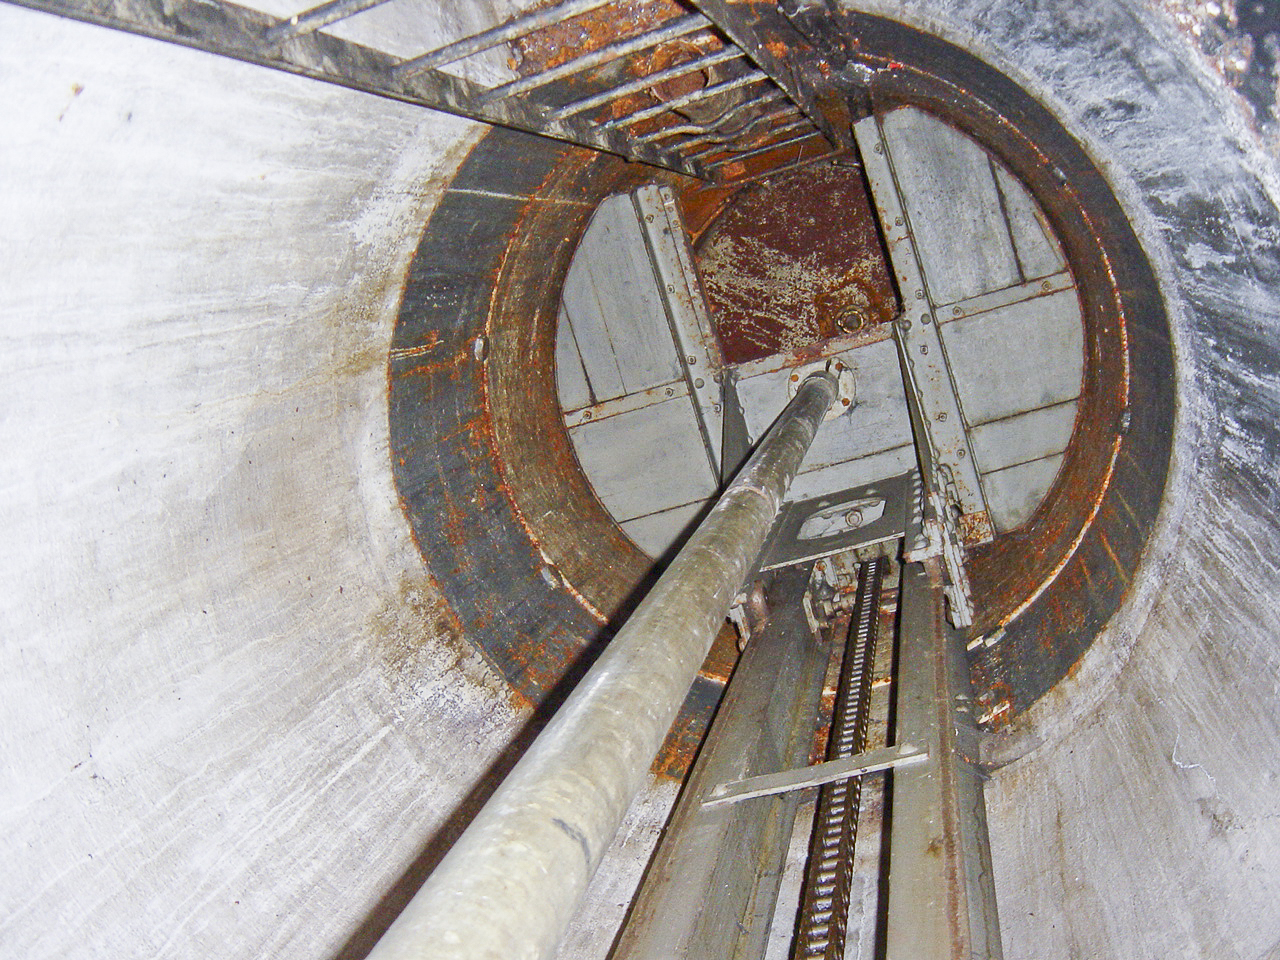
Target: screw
x,y
670,391
924,348
846,401
897,221
960,453
879,148
692,359
586,415
1046,285
919,294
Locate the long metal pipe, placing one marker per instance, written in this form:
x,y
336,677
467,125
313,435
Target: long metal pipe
x,y
509,886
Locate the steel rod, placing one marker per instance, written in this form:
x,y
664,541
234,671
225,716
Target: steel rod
x,y
701,129
645,82
520,26
309,21
510,885
717,140
673,29
725,86
767,148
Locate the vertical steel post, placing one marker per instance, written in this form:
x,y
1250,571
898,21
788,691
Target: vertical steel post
x,y
510,885
941,895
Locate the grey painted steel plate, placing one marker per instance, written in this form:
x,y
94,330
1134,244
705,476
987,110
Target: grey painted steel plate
x,y
810,529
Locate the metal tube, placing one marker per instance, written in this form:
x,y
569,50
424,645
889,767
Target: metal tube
x,y
518,27
510,885
673,29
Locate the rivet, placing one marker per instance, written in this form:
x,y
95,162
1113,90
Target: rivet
x,y
942,417
919,294
924,348
925,318
956,311
699,383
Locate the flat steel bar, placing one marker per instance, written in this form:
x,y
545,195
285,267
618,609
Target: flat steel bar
x,y
230,30
644,83
724,86
829,771
731,19
511,883
674,29
513,29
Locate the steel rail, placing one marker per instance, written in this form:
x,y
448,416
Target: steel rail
x,y
509,886
824,909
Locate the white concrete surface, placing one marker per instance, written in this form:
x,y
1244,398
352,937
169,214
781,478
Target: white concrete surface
x,y
224,669
224,672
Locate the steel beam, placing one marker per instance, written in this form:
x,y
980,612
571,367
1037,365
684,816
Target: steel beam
x,y
666,242
941,895
947,458
510,885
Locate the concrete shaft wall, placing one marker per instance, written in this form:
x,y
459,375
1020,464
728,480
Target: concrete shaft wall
x,y
235,718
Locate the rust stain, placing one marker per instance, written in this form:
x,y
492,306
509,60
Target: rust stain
x,y
793,262
590,31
